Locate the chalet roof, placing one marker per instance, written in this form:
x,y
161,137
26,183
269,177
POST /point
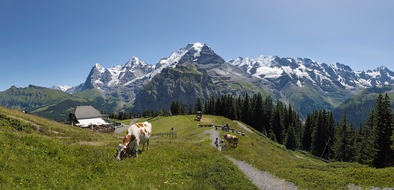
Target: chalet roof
x,y
86,112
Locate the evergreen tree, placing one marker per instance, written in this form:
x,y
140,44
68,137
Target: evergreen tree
x,y
392,145
245,110
218,107
182,110
322,134
190,111
210,106
343,146
365,150
277,122
318,140
383,129
257,118
198,106
174,108
295,121
267,113
291,140
238,108
307,133
228,105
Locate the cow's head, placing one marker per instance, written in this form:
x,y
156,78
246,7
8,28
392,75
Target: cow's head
x,y
120,150
122,147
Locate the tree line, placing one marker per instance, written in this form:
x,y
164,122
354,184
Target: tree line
x,y
320,134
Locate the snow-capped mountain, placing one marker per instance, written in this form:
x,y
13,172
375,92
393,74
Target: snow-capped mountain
x,y
304,70
63,88
191,51
134,71
116,77
197,71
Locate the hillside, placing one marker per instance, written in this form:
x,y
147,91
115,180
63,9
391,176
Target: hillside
x,y
359,106
55,104
59,157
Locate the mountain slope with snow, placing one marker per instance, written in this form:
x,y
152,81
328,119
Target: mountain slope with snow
x,y
195,71
302,70
306,84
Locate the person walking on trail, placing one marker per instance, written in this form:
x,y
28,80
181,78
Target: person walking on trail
x,y
216,143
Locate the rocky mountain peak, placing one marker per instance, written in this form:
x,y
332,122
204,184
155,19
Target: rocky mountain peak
x,y
134,62
342,67
98,68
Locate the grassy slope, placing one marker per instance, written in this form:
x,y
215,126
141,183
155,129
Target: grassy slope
x,y
37,153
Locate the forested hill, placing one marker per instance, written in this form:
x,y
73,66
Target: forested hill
x,y
359,106
321,134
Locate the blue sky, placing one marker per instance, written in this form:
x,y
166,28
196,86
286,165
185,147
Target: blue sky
x,y
48,42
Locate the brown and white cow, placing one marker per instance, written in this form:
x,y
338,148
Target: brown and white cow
x,y
136,134
231,139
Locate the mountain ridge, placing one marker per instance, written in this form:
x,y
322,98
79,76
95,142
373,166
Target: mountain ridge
x,y
293,80
306,84
196,71
264,67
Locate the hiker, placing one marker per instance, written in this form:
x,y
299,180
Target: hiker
x,y
216,142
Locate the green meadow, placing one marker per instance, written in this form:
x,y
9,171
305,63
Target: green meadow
x,y
36,153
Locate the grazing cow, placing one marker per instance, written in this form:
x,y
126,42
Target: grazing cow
x,y
231,139
136,134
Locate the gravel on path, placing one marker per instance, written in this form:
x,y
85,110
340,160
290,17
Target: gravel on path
x,y
243,126
262,179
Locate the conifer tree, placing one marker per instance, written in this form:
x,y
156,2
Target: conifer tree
x,y
198,106
318,139
245,110
343,146
238,108
277,122
211,105
181,109
174,108
228,104
330,132
365,150
267,113
257,118
323,133
383,129
291,139
190,111
307,133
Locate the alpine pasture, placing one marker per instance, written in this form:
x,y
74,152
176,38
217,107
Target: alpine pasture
x,y
37,153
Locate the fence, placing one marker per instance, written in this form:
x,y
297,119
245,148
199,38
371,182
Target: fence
x,y
167,134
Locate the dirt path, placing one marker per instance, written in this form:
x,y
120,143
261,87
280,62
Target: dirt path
x,y
262,180
243,126
213,134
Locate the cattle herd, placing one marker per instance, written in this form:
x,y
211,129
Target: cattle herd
x,y
139,133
